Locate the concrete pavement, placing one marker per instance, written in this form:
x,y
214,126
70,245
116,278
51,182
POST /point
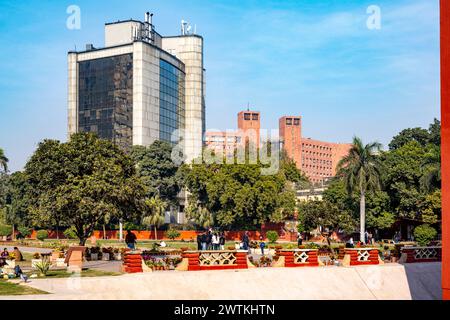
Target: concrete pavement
x,y
390,281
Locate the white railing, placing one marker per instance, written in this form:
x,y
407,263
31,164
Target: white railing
x,y
211,258
425,252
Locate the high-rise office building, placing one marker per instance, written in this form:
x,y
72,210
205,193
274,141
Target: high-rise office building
x,y
140,87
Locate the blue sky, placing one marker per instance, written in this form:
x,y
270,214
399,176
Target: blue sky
x,y
311,58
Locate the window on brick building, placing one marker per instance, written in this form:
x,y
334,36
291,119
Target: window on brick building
x,y
246,116
289,121
254,116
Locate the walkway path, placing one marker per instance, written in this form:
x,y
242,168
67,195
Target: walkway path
x,y
28,249
390,281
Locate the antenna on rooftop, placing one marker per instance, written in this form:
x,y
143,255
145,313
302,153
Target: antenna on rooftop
x,y
186,28
248,106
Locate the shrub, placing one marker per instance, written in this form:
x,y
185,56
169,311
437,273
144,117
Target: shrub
x,y
272,236
5,230
69,233
24,231
312,245
424,234
172,234
43,266
42,235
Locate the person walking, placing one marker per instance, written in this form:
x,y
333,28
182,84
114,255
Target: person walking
x,y
299,238
222,241
130,240
209,240
262,244
203,240
215,241
199,241
245,241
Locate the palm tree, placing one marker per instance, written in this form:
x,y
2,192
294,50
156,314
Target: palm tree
x,y
200,215
3,160
156,208
431,178
360,169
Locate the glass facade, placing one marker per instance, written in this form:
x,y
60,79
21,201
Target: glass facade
x,y
105,95
171,100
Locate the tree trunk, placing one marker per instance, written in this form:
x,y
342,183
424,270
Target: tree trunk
x,y
13,237
362,217
156,234
57,231
104,232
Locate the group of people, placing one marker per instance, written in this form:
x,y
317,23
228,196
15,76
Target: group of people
x,y
211,240
5,256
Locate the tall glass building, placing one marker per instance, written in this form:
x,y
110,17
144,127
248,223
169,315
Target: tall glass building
x,y
140,87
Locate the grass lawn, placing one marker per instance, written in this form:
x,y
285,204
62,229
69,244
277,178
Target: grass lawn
x,y
148,244
53,274
8,289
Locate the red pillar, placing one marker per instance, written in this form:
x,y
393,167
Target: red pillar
x,y
445,151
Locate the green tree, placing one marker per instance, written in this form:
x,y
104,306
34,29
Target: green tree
x,y
81,182
403,175
3,160
17,200
315,213
360,170
431,166
202,217
435,132
420,135
154,214
155,167
378,210
238,195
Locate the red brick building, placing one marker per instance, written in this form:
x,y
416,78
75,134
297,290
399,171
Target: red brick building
x,y
317,159
320,159
249,127
290,132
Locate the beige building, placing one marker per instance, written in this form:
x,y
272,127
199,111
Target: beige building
x,y
310,194
140,87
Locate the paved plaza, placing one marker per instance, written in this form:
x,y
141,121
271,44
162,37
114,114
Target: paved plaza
x,y
390,281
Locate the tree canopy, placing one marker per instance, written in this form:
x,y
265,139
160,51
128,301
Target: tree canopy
x,y
3,161
409,187
81,183
239,195
155,167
